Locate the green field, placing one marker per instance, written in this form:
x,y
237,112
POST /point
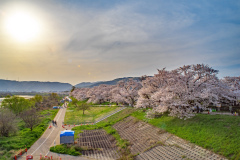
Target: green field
x,y
219,133
74,116
107,126
9,145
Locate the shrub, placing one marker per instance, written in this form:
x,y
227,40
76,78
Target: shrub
x,y
64,149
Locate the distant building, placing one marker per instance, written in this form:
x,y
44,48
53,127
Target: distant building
x,y
66,99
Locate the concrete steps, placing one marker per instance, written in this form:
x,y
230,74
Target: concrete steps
x,y
152,143
116,111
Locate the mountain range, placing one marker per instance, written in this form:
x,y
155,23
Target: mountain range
x,y
36,86
33,86
112,82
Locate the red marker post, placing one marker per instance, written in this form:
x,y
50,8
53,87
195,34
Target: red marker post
x,y
29,157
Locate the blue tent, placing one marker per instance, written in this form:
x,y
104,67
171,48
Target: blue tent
x,y
67,137
56,107
67,133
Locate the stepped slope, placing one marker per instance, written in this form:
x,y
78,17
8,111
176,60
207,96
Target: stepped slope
x,y
152,143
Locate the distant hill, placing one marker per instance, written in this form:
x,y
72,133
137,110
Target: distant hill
x,y
36,86
33,86
84,84
112,82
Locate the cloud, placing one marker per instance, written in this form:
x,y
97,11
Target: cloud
x,y
134,38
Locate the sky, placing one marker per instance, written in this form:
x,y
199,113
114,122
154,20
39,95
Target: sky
x,y
77,41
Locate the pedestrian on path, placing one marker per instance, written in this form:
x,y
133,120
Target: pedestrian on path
x,y
53,122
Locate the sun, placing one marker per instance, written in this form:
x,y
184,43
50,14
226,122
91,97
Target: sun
x,y
22,26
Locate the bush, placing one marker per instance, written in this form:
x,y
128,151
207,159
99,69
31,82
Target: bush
x,y
64,149
25,136
8,124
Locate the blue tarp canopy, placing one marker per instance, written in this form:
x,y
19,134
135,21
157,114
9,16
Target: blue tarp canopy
x,y
56,107
67,133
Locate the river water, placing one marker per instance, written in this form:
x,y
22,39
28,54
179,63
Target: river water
x,y
24,96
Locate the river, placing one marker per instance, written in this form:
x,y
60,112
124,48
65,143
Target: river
x,y
24,96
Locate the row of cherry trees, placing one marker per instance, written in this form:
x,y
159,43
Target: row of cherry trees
x,y
176,91
123,93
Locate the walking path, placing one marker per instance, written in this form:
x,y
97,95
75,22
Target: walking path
x,y
115,111
221,113
52,136
43,144
172,147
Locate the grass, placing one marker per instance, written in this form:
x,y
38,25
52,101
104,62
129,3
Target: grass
x,y
24,137
105,103
121,143
159,143
219,133
108,121
107,126
66,149
73,116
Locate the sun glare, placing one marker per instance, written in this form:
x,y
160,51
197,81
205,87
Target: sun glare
x,y
22,26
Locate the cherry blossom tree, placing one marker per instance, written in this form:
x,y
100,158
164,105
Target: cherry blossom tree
x,y
234,84
100,94
80,93
97,94
179,90
126,92
150,86
176,91
106,92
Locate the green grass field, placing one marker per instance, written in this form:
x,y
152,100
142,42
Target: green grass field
x,y
73,116
107,126
9,145
219,133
